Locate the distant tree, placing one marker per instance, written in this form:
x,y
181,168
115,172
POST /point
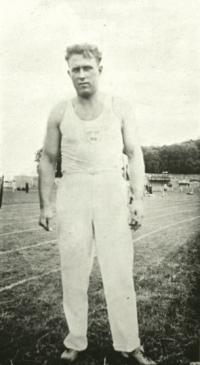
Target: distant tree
x,y
176,158
152,159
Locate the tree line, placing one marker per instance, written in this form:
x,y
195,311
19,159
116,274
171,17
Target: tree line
x,y
182,158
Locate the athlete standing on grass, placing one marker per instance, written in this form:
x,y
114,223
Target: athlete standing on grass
x,y
93,130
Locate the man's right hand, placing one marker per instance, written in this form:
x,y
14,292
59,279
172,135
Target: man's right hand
x,y
46,215
136,214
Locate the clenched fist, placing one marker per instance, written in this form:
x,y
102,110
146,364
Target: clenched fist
x,y
136,214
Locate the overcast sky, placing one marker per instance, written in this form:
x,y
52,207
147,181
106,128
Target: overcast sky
x,y
151,56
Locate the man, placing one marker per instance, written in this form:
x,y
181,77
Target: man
x,y
93,131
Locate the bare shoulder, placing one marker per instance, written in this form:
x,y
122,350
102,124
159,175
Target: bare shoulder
x,y
122,108
57,114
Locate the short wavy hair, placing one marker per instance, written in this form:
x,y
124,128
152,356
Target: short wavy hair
x,y
85,49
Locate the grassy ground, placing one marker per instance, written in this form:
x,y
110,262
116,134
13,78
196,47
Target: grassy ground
x,y
167,271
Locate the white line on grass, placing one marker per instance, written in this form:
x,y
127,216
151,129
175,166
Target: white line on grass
x,y
46,242
43,243
20,216
16,218
17,204
145,217
21,206
165,227
166,215
155,210
32,278
148,208
22,231
21,212
20,282
173,210
174,206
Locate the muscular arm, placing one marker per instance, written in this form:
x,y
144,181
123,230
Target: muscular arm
x,y
133,151
48,162
131,148
135,157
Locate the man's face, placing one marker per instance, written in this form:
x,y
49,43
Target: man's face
x,y
84,73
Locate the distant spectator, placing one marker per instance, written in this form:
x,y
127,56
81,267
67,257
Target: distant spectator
x,y
164,192
150,189
27,187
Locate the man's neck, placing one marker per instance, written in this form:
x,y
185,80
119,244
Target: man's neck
x,y
91,101
89,108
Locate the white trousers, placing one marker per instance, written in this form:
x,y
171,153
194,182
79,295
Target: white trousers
x,y
87,203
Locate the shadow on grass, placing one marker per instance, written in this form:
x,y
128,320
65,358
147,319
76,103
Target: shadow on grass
x,y
169,313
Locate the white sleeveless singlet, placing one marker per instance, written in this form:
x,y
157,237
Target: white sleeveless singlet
x,y
91,146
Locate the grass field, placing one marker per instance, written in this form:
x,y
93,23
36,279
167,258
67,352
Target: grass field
x,y
167,280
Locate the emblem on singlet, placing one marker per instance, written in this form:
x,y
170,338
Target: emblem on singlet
x,y
93,134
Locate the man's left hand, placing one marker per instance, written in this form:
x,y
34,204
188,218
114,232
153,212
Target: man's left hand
x,y
136,214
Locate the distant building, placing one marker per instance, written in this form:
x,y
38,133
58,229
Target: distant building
x,y
159,180
21,181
